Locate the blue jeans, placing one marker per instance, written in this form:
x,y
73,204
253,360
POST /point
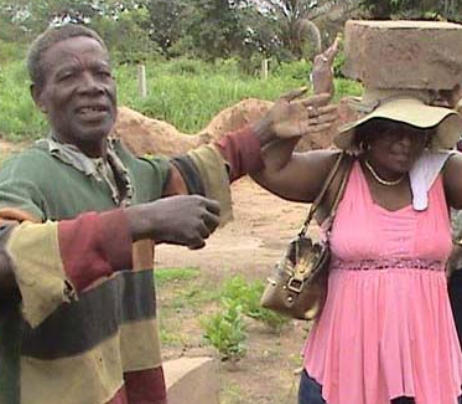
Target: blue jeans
x,y
455,294
310,393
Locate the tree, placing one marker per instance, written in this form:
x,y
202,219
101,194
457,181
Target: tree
x,y
168,22
297,21
35,16
414,9
217,28
127,34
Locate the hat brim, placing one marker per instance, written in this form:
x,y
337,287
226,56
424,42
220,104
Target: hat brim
x,y
413,112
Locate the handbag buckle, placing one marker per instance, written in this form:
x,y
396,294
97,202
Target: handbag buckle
x,y
295,285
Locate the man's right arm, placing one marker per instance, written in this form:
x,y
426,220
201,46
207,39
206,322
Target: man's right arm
x,y
52,262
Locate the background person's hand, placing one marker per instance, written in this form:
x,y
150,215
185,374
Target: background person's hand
x,y
322,75
186,220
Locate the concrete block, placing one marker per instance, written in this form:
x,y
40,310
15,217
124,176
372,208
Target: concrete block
x,y
404,54
192,381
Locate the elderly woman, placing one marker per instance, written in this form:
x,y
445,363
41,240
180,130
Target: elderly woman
x,y
386,333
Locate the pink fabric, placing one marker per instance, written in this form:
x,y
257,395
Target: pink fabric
x,y
387,328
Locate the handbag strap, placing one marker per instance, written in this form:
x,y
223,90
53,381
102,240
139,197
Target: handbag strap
x,y
340,191
338,196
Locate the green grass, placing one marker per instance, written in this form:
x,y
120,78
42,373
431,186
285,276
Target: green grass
x,y
168,275
185,93
19,119
182,292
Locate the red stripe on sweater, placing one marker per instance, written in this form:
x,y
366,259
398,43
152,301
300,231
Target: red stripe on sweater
x,y
120,397
94,245
146,386
241,149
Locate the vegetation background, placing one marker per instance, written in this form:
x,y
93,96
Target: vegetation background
x,y
201,55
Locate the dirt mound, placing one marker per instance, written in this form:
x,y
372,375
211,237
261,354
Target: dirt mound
x,y
236,116
144,135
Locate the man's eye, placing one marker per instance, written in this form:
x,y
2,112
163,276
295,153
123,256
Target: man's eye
x,y
104,73
65,76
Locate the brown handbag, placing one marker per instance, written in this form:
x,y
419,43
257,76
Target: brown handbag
x,y
298,285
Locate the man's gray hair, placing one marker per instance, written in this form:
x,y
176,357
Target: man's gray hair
x,y
49,38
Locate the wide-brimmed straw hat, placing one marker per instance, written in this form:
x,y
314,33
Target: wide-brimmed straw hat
x,y
409,107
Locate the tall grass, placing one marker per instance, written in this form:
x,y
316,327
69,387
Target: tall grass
x,y
185,93
19,119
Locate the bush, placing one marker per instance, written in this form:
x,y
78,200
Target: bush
x,y
347,87
339,62
248,295
187,66
226,331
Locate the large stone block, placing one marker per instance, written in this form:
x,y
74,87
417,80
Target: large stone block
x,y
404,54
192,381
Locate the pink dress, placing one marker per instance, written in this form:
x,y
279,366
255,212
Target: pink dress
x,y
387,329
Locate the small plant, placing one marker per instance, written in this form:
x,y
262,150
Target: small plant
x,y
226,331
248,294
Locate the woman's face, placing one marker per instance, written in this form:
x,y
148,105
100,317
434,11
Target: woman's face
x,y
396,146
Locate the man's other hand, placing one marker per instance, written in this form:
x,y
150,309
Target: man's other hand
x,y
182,220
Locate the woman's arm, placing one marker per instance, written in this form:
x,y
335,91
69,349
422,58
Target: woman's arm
x,y
300,176
295,176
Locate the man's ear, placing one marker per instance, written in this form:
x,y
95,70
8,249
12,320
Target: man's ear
x,y
36,94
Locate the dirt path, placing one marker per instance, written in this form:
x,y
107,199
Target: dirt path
x,y
250,245
262,225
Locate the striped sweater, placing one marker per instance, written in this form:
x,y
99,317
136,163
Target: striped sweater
x,y
82,327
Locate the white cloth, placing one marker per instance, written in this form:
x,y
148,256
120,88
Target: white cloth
x,y
423,174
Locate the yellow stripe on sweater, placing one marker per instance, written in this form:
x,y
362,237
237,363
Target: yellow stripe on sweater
x,y
93,377
140,346
34,251
212,169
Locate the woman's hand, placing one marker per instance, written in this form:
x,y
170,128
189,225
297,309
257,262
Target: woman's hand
x,y
293,117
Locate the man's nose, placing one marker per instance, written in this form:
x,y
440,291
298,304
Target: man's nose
x,y
89,83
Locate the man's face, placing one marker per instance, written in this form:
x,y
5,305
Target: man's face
x,y
79,92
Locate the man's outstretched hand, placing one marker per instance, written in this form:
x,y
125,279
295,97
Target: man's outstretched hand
x,y
186,220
